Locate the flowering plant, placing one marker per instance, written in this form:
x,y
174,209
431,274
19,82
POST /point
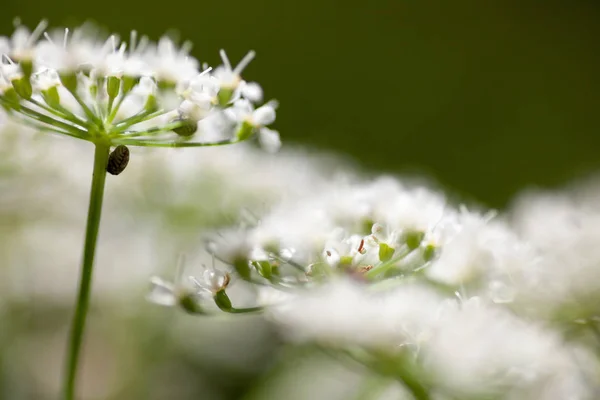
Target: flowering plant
x,y
449,302
115,94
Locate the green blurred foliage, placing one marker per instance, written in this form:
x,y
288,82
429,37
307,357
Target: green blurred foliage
x,y
485,96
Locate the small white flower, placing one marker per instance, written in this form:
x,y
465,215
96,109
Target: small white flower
x,y
348,250
46,79
162,292
231,246
21,46
251,91
229,77
213,280
11,71
169,294
169,63
203,83
269,140
385,234
244,111
195,109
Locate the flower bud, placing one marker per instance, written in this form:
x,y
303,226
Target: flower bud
x,y
51,97
245,132
189,304
128,83
187,128
27,68
10,94
413,239
69,81
264,268
113,85
23,87
222,301
429,252
385,252
224,96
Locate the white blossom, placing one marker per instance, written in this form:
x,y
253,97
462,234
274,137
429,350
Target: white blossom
x,y
229,78
162,292
476,351
21,46
564,229
480,255
344,312
83,84
212,280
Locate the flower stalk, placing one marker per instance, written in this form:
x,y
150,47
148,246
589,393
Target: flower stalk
x,y
85,280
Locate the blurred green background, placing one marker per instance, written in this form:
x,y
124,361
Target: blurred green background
x,y
484,96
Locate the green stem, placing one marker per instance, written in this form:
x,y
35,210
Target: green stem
x,y
406,371
83,297
148,143
372,388
386,266
244,310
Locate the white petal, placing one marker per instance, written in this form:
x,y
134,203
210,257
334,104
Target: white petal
x,y
145,87
264,115
269,140
161,292
332,257
252,91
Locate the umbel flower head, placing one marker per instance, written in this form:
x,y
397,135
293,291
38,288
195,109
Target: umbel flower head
x,y
137,93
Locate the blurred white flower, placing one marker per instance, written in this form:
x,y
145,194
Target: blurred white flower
x,y
212,280
564,228
21,46
479,255
477,351
345,313
162,292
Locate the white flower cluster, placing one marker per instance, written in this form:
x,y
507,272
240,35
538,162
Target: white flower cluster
x,y
40,194
381,231
564,228
456,296
137,93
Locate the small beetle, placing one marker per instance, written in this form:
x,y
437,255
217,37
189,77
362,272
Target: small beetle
x,y
118,160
